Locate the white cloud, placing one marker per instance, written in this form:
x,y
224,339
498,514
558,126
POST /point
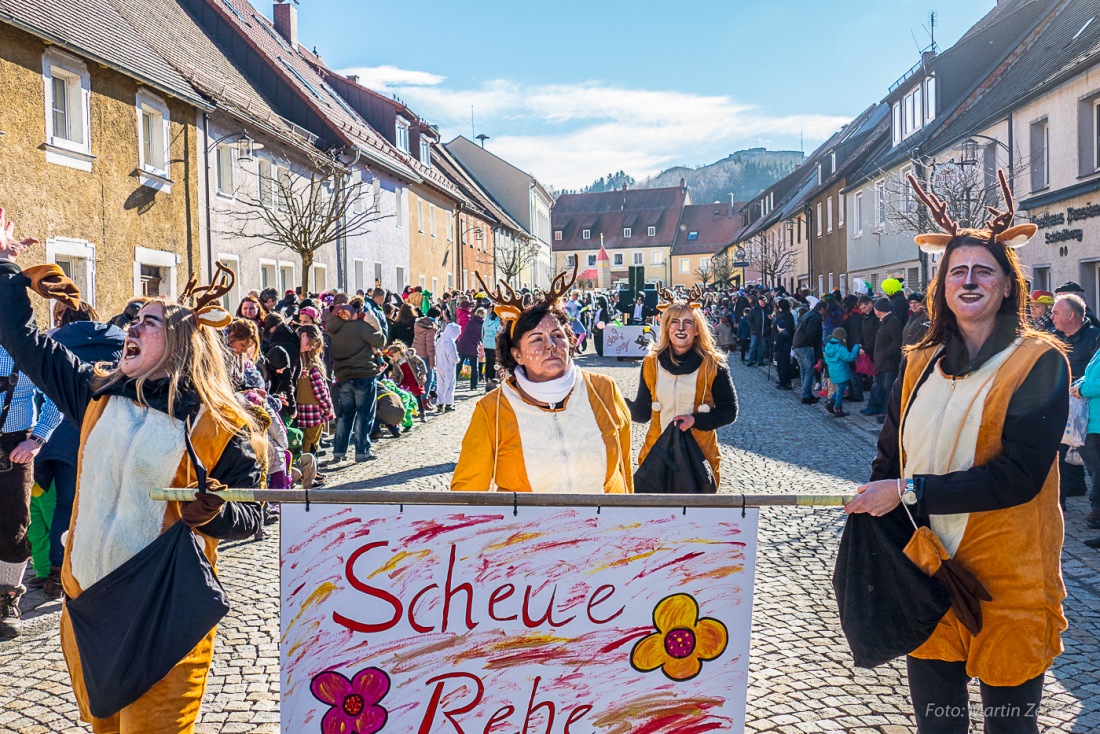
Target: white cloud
x,y
568,135
383,78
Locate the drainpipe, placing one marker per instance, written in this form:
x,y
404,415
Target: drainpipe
x,y
206,180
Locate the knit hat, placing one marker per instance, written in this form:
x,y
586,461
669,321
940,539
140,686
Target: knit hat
x,y
277,358
1042,297
918,297
840,334
310,312
890,286
883,304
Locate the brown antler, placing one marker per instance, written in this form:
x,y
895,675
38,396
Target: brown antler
x,y
1002,220
558,286
666,295
222,284
937,207
508,306
695,293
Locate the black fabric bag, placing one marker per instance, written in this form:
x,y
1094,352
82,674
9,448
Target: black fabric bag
x,y
888,606
137,622
675,465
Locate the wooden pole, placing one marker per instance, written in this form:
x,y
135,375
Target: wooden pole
x,y
337,496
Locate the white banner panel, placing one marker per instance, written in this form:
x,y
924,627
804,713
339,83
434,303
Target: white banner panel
x,y
551,620
627,341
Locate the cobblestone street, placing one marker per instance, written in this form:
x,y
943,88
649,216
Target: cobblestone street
x,y
802,679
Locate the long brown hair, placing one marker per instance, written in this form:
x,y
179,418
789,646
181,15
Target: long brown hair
x,y
942,318
195,355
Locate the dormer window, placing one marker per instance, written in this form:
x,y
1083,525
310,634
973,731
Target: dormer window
x,y
426,152
914,110
403,134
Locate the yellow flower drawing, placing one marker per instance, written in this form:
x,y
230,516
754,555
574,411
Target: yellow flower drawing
x,y
682,641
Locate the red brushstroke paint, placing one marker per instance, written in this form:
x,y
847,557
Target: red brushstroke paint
x,y
429,530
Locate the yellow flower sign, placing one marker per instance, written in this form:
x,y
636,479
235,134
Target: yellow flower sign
x,y
682,641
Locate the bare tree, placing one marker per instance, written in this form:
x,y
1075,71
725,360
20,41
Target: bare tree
x,y
704,273
771,256
514,255
303,214
722,269
968,186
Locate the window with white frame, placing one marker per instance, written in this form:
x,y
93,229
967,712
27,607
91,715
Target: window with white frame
x,y
358,193
651,231
880,205
1040,155
929,99
591,261
400,271
155,272
318,280
450,280
896,123
76,258
857,213
284,187
426,152
403,134
377,274
586,234
626,232
435,285
819,219
831,286
223,169
67,86
420,215
913,115
233,298
557,235
265,181
829,214
153,135
431,218
269,272
399,208
658,258
639,258
286,277
685,265
570,260
359,279
617,258
841,201
704,263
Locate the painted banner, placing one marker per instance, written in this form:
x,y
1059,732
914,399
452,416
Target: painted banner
x,y
627,341
533,620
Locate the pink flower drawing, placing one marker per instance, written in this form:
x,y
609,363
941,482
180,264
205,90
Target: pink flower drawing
x,y
355,703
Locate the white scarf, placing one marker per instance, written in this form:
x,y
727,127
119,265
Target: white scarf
x,y
552,392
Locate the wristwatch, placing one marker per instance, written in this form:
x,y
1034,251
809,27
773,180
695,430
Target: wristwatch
x,y
909,493
39,440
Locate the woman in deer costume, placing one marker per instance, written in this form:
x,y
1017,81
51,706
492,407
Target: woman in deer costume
x,y
133,418
969,451
549,426
685,379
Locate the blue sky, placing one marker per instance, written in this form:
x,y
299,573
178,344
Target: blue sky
x,y
573,90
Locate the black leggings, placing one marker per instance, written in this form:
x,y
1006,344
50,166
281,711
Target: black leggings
x,y
942,704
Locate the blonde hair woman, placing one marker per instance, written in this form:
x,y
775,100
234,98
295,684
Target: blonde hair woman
x,y
172,378
685,380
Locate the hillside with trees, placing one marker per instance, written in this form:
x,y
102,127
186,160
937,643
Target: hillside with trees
x,y
744,174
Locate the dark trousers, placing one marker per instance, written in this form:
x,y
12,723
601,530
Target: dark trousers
x,y
744,349
490,364
475,367
855,389
783,362
63,477
15,501
1071,477
357,399
880,391
942,705
1090,452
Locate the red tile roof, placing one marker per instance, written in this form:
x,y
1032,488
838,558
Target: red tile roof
x,y
715,226
609,212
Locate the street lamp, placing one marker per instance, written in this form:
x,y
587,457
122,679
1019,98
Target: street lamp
x,y
245,145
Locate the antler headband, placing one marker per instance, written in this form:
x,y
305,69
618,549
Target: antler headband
x,y
208,308
1000,227
558,286
669,299
507,307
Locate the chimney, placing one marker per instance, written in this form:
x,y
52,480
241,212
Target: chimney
x,y
624,185
926,57
286,22
731,207
353,78
683,184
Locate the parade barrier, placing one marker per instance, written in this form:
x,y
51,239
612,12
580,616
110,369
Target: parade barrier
x,y
419,612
